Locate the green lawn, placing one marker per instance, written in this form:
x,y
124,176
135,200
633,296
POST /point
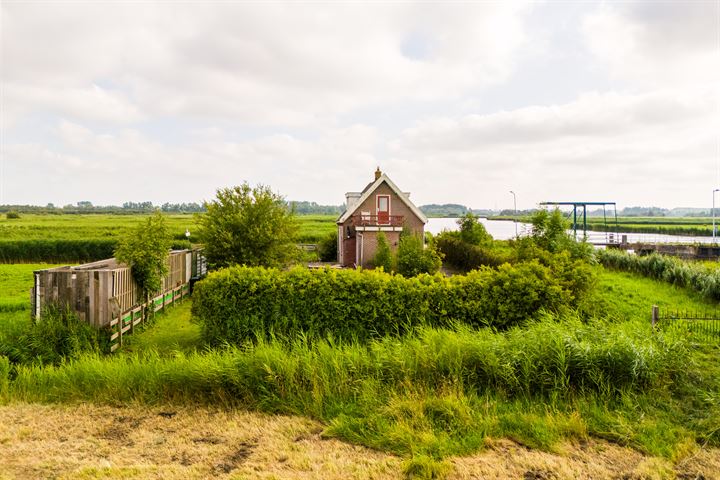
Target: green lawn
x,y
170,331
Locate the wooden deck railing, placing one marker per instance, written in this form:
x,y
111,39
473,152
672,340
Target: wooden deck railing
x,y
378,220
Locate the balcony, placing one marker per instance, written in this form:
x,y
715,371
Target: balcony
x,y
382,221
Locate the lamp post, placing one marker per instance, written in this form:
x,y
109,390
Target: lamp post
x,y
713,214
515,209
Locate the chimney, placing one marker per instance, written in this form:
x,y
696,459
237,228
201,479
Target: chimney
x,y
378,173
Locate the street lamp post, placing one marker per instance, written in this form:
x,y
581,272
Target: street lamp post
x,y
515,209
713,214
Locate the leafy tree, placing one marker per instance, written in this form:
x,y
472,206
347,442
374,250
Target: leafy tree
x,y
413,258
550,233
250,226
383,254
472,231
145,251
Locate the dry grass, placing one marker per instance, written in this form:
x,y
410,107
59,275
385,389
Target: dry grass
x,y
89,442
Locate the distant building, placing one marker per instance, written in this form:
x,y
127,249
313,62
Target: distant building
x,y
380,207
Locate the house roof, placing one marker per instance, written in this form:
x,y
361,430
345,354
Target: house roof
x,y
369,191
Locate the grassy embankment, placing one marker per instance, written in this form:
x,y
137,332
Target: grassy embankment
x,y
438,393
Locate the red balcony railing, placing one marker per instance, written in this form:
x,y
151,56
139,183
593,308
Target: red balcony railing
x,y
382,220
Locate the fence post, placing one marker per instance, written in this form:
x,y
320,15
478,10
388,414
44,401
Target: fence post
x,y
655,315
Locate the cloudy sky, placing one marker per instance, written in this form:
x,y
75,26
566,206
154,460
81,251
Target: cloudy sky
x,y
458,102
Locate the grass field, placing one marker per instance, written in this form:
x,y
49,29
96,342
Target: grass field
x,y
68,227
422,399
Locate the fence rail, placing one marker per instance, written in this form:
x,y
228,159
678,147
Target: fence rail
x,y
704,325
127,321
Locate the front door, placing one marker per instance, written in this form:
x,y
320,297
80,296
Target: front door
x,y
383,209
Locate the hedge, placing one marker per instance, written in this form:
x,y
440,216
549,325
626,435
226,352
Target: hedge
x,y
61,251
238,304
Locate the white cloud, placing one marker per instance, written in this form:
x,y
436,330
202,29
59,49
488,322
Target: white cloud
x,y
280,64
658,43
590,149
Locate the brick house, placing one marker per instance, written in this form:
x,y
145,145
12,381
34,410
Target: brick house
x,y
380,207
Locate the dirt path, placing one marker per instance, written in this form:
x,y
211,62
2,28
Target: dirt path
x,y
86,441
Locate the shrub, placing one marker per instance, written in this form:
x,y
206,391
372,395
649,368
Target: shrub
x,y
472,231
59,335
248,226
328,247
413,258
465,256
12,215
383,255
241,303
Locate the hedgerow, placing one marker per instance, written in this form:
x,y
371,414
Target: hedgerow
x,y
241,303
60,250
694,276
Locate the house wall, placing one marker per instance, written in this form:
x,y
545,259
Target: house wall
x,y
348,247
397,207
370,241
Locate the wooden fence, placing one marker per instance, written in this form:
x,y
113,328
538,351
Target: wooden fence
x,y
128,320
703,325
105,295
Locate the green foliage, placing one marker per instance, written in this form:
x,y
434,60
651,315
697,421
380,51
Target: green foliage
x,y
248,226
472,231
694,276
427,396
58,336
328,247
12,215
549,230
55,250
145,251
241,303
465,256
4,377
383,255
413,258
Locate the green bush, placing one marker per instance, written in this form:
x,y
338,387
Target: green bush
x,y
242,303
12,215
466,256
413,258
328,247
383,255
472,231
57,336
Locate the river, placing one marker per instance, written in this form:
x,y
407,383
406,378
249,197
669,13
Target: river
x,y
505,230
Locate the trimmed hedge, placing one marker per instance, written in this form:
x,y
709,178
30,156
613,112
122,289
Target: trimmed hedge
x,y
61,251
243,303
694,276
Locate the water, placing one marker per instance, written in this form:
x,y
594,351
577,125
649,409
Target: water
x,y
505,230
499,229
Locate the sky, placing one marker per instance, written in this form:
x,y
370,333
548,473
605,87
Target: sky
x,y
458,102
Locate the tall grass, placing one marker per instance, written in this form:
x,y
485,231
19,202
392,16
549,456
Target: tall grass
x,y
428,395
694,276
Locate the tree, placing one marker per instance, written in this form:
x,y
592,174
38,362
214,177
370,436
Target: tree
x,y
472,231
413,258
250,226
383,254
328,247
145,250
